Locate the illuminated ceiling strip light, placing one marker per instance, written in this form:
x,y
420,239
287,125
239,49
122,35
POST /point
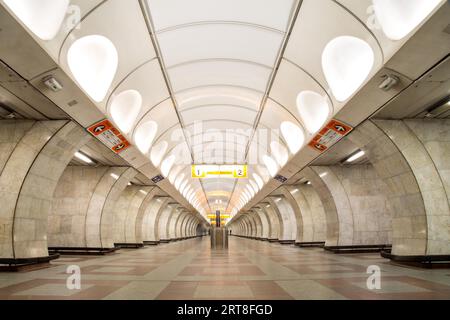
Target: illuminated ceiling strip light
x,y
356,156
83,157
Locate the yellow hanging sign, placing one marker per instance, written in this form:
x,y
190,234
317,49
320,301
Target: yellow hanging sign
x,y
216,171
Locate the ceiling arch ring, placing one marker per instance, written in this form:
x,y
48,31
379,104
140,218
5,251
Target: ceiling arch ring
x,y
219,120
128,75
197,61
234,121
218,85
77,25
223,156
313,79
364,26
141,120
217,105
287,110
207,142
257,142
223,22
157,138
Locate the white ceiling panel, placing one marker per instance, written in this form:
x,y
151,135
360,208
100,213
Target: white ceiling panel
x,y
170,13
214,129
149,82
224,41
274,114
218,112
289,82
219,95
219,72
163,114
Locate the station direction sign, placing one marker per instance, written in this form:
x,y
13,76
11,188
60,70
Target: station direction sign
x,y
219,171
334,131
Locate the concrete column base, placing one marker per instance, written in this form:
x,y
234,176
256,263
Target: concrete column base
x,y
89,251
286,241
129,245
428,262
26,264
358,248
318,244
151,243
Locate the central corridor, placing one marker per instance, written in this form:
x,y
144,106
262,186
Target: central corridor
x,y
248,270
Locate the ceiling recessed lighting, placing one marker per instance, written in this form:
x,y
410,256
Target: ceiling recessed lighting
x,y
400,18
115,176
83,157
346,63
314,110
356,156
124,110
43,17
293,135
93,61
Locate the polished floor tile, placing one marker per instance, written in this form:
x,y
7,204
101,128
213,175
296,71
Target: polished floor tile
x,y
248,270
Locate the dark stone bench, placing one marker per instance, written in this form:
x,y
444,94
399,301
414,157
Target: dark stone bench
x,y
373,248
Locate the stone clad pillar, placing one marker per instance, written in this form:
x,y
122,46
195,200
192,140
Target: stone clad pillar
x,y
125,215
313,215
34,156
84,204
423,226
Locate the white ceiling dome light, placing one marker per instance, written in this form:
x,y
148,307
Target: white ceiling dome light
x,y
174,174
271,165
43,17
158,152
254,186
183,186
125,108
178,181
279,152
399,18
93,61
144,136
250,190
346,63
293,135
259,181
314,110
167,165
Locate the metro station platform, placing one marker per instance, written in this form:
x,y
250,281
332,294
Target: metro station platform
x,y
248,270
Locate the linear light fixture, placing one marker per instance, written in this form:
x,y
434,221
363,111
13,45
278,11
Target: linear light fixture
x,y
83,157
355,156
115,176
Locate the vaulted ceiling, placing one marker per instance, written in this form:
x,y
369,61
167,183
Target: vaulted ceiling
x,y
221,82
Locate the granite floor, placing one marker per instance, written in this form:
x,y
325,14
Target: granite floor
x,y
248,270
